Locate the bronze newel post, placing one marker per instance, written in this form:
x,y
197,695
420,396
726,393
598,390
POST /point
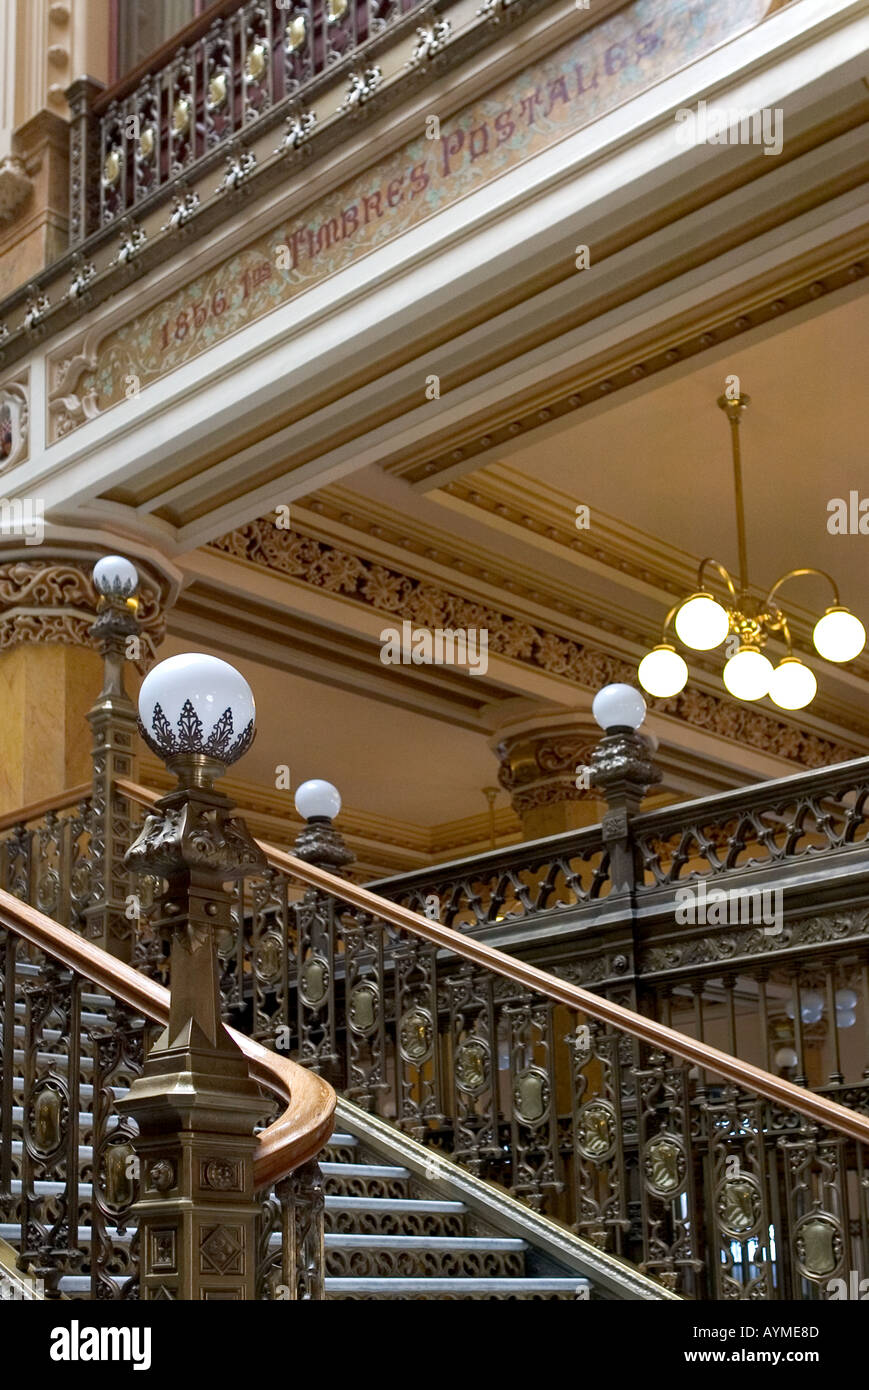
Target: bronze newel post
x,y
195,1104
621,767
113,728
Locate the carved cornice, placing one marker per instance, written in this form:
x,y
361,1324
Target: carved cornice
x,y
306,560
717,948
52,599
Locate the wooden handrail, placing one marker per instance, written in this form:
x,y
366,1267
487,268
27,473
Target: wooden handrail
x,y
296,1136
37,809
648,1030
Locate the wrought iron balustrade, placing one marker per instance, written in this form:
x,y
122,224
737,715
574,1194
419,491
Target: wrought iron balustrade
x,y
717,1177
74,1024
45,855
224,73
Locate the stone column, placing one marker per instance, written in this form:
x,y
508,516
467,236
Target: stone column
x,y
543,765
50,672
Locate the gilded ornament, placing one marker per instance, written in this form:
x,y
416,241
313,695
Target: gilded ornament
x,y
297,32
818,1245
255,63
362,1008
472,1065
147,142
531,1092
336,10
217,91
315,980
664,1165
596,1131
181,116
112,167
739,1206
415,1034
119,1187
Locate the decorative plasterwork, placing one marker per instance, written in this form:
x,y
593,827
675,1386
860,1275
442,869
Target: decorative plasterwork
x,y
14,422
400,596
52,599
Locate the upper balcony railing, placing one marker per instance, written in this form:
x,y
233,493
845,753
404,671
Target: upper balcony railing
x,y
225,71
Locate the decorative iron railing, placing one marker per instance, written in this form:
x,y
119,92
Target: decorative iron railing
x,y
75,1023
713,1175
45,855
252,60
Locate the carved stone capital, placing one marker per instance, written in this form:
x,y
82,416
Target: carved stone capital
x,y
47,595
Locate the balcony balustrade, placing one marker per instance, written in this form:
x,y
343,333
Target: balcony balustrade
x,y
248,63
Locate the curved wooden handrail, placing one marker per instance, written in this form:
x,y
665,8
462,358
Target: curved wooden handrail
x,y
37,809
296,1136
745,1074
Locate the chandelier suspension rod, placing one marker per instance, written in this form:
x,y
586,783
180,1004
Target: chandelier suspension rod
x,y
734,410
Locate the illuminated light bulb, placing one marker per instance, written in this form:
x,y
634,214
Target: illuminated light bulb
x,y
839,636
845,1018
793,685
786,1057
748,674
662,671
846,999
702,622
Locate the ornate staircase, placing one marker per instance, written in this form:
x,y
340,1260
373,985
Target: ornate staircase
x,y
400,1221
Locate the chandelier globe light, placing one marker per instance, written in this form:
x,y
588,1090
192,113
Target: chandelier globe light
x,y
703,621
663,671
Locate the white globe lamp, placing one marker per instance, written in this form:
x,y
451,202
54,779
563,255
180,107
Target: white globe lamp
x,y
618,707
317,800
196,706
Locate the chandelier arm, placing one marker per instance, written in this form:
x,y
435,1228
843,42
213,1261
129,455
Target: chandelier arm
x,y
669,618
722,570
796,574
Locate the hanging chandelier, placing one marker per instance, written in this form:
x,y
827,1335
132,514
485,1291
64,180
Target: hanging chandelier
x,y
703,622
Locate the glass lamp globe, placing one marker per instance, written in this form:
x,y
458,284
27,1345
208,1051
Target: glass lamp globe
x,y
317,800
786,1057
845,1018
702,622
618,707
846,999
793,685
839,636
811,1006
748,674
195,703
115,577
662,671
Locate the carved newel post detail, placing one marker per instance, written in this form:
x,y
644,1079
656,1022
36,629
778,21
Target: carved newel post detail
x,y
113,728
195,1104
318,842
621,767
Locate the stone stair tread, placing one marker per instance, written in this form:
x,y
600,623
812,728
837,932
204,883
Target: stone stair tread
x,y
458,1284
363,1170
339,1240
396,1204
